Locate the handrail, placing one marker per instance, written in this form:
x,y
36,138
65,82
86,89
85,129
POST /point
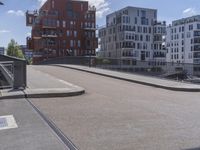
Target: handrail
x,y
7,74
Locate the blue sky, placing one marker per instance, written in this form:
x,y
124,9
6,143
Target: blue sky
x,y
12,24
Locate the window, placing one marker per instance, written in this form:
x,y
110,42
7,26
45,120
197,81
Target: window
x,y
179,29
141,37
138,13
149,29
71,43
64,24
64,43
79,43
188,35
68,33
155,14
183,28
191,27
30,20
198,26
52,4
182,42
58,23
183,36
143,12
197,33
144,21
81,7
75,33
135,20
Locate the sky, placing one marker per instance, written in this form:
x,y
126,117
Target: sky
x,y
13,24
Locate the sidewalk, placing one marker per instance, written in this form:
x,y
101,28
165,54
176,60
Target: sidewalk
x,y
41,85
140,79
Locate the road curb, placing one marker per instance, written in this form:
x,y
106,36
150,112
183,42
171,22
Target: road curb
x,y
136,81
24,94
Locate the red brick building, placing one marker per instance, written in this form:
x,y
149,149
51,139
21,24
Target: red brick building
x,y
62,28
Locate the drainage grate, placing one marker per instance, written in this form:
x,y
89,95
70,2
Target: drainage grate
x,y
3,123
7,122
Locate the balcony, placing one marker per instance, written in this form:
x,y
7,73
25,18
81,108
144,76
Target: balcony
x,y
48,27
30,17
90,28
196,54
196,40
196,33
47,35
91,8
159,56
128,47
38,54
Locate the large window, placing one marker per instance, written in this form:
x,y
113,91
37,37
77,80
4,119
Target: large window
x,y
191,27
198,26
197,33
143,12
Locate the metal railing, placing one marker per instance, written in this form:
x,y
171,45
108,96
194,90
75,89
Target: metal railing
x,y
157,68
6,74
13,72
177,71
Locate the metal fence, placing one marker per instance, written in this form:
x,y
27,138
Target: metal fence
x,y
153,68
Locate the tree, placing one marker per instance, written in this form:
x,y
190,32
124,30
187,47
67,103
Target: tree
x,y
14,49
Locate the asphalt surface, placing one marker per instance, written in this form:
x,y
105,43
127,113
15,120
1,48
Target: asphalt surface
x,y
32,132
120,115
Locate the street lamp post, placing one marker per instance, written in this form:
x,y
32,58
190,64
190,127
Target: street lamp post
x,y
90,56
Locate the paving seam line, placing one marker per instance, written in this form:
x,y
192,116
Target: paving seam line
x,y
68,143
134,81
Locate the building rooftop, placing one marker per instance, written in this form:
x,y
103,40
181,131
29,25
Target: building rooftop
x,y
131,7
186,20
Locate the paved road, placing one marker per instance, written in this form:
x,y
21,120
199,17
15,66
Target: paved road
x,y
118,115
32,132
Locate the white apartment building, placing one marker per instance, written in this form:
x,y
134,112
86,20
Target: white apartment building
x,y
2,51
133,33
183,44
183,41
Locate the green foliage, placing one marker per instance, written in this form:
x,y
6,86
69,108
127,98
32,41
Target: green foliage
x,y
30,61
106,61
14,50
102,61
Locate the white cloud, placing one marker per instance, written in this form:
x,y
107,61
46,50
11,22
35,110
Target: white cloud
x,y
189,12
17,12
4,31
28,34
41,2
102,6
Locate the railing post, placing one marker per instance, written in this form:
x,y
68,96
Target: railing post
x,y
20,78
